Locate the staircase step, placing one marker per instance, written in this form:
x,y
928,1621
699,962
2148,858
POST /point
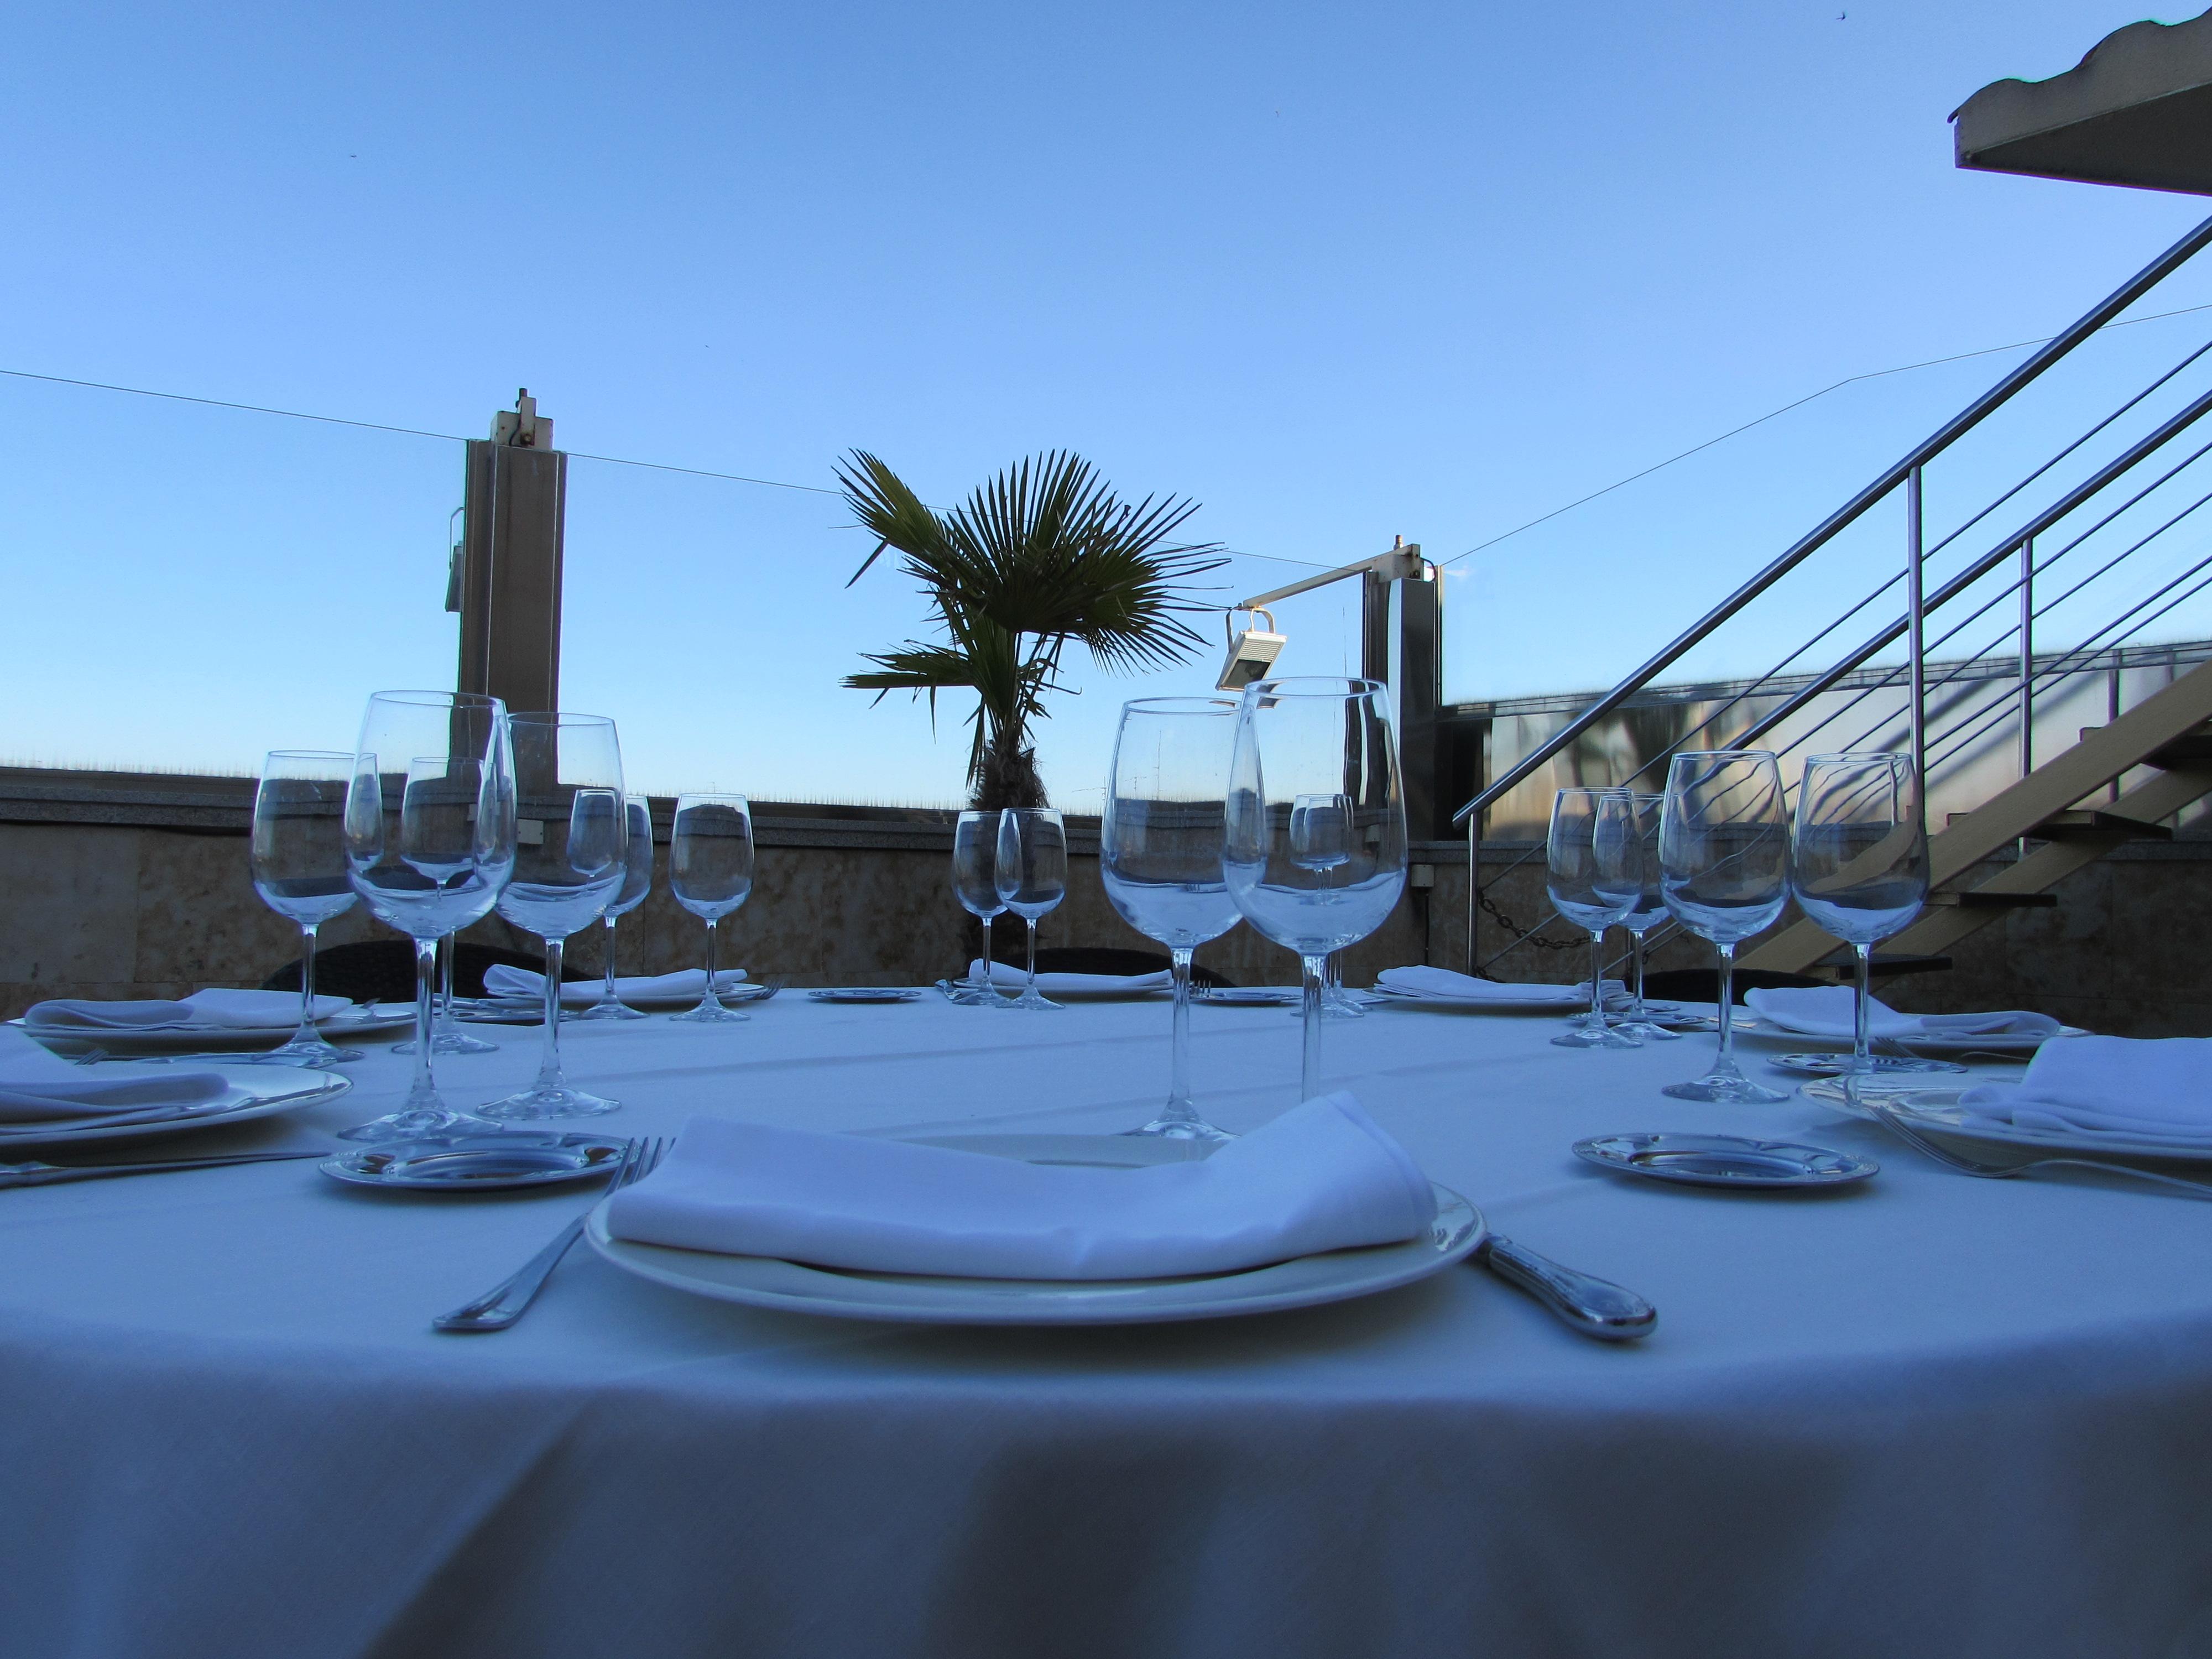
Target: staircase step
x,y
2190,748
1980,899
2091,825
1844,970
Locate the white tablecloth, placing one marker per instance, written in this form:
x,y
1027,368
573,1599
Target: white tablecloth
x,y
1927,1416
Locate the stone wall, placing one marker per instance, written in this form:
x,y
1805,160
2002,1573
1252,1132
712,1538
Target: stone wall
x,y
115,886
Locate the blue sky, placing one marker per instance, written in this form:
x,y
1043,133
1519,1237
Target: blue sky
x,y
1338,273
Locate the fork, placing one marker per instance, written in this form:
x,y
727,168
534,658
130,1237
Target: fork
x,y
1973,1166
509,1299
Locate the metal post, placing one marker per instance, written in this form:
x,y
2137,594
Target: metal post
x,y
2027,656
1916,631
510,590
2112,710
1420,686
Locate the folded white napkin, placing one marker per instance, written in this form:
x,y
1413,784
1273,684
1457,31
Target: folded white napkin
x,y
1321,1177
255,1010
37,1086
1008,976
504,982
1825,1011
1443,984
2157,1089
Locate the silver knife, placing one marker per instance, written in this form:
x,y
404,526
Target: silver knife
x,y
1593,1307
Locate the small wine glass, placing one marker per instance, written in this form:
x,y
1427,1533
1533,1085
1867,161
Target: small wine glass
x,y
1032,877
1859,864
1594,873
710,871
1724,871
1642,916
429,840
974,883
1160,842
571,857
1315,853
299,866
637,882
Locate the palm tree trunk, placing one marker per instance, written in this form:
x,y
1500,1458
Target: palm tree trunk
x,y
1008,776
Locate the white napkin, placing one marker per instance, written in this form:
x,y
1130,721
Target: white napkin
x,y
1009,977
252,1010
1321,1177
1445,985
502,980
2156,1089
1825,1011
37,1086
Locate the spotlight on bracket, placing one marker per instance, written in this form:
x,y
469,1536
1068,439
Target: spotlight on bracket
x,y
1252,651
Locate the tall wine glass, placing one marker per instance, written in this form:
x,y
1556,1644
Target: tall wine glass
x,y
637,882
974,883
1859,863
1160,844
429,838
1724,871
570,859
1593,872
710,871
1642,916
1032,877
300,870
1316,855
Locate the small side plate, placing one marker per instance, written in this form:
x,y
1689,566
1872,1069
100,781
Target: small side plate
x,y
866,994
1724,1160
479,1163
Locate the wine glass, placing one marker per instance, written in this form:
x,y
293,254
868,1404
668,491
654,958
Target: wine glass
x,y
1642,916
299,865
1724,872
429,840
637,882
571,857
1160,843
1032,877
1593,872
1316,855
710,871
974,883
1859,864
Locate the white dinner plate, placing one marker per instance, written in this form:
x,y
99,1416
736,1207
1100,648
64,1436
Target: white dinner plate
x,y
121,1039
1304,1282
1938,1109
1993,1043
866,994
1532,1001
253,1091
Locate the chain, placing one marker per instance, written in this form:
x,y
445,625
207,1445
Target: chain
x,y
1513,927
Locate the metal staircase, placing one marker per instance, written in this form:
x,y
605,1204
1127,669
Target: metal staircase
x,y
2106,543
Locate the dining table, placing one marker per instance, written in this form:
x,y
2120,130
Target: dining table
x,y
1918,1414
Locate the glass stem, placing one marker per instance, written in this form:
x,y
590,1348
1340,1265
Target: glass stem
x,y
1725,1015
610,996
1862,1058
424,1092
1309,1064
709,999
448,948
1636,942
989,984
549,1072
1179,1104
1597,980
1031,991
307,1033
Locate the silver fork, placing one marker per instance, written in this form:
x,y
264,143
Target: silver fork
x,y
509,1299
1974,1166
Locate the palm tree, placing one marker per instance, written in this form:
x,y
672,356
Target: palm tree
x,y
1043,554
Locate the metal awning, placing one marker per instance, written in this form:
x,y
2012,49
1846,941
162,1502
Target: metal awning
x,y
2136,111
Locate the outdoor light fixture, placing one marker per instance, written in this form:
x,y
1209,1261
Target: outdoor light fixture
x,y
1251,653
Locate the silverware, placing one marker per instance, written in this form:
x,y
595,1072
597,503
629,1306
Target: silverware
x,y
35,1174
1974,1166
1593,1307
508,1300
215,1056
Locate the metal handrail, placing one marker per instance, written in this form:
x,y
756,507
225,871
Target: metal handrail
x,y
1899,473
